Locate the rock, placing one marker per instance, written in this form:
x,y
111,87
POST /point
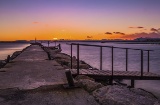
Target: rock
x,y
81,66
121,95
15,54
65,60
61,55
157,103
74,59
79,77
55,51
2,63
84,66
89,85
143,93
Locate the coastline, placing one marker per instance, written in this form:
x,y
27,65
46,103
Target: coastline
x,y
92,86
3,62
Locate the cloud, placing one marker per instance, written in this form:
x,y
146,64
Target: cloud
x,y
154,30
143,34
130,27
89,37
139,27
35,22
108,33
122,33
119,33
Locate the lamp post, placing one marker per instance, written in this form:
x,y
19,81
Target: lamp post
x,y
55,39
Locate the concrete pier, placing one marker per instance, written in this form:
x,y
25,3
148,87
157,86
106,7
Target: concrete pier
x,y
32,79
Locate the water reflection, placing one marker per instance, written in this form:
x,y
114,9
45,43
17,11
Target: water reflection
x,y
9,48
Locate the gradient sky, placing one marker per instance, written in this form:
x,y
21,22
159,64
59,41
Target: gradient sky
x,y
78,19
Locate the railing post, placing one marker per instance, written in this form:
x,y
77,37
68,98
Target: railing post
x,y
141,63
126,59
101,58
77,58
148,60
111,80
48,43
112,61
71,55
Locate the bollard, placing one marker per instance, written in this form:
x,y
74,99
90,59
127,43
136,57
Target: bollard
x,y
8,59
69,78
111,81
49,56
132,83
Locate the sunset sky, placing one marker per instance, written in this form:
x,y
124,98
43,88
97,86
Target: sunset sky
x,y
79,19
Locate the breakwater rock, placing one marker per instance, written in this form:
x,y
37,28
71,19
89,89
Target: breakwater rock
x,y
15,54
116,94
65,61
54,53
2,63
88,83
121,95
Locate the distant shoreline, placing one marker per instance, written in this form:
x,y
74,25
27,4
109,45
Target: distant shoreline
x,y
100,41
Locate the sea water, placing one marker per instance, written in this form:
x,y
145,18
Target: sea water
x,y
9,48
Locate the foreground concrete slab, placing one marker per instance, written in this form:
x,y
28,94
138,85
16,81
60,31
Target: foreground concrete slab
x,y
32,79
46,95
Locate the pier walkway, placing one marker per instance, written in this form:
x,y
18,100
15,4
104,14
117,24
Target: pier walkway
x,y
32,79
107,74
31,69
114,74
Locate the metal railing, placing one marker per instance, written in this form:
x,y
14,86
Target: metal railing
x,y
112,56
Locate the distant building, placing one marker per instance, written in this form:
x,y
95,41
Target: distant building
x,y
21,41
147,39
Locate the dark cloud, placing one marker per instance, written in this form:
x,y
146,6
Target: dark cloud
x,y
116,32
89,36
122,33
108,33
154,30
119,33
143,34
139,27
35,22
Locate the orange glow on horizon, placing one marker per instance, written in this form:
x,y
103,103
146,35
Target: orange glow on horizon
x,y
50,35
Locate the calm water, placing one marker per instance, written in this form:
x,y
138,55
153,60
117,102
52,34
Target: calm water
x,y
91,56
9,48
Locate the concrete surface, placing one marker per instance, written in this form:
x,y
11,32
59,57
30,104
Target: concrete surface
x,y
32,79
